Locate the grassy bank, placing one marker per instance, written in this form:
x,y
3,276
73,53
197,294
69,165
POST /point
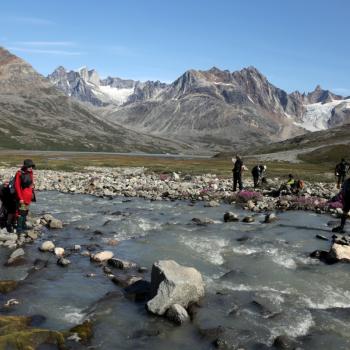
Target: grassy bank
x,y
310,171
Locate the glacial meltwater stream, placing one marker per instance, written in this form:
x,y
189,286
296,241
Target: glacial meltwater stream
x,y
260,281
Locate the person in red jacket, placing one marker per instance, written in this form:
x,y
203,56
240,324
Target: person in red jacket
x,y
24,186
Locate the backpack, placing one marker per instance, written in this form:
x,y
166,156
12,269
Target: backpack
x,y
12,188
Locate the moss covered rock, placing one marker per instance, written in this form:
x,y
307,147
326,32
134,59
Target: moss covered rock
x,y
84,331
16,333
8,286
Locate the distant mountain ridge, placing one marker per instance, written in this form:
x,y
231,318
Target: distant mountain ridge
x,y
316,110
87,86
34,114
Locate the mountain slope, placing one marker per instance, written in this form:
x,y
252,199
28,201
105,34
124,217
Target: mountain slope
x,y
215,108
35,115
86,86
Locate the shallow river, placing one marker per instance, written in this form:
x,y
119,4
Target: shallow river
x,y
260,282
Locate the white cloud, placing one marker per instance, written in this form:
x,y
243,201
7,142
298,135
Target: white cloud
x,y
46,51
46,43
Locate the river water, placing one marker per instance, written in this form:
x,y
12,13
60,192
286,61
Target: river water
x,y
259,278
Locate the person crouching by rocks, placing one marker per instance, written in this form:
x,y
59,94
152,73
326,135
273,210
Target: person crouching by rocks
x,y
341,170
237,173
257,173
24,186
345,198
8,207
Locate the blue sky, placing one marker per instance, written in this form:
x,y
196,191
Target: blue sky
x,y
296,44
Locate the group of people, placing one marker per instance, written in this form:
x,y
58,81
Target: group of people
x,y
16,195
294,186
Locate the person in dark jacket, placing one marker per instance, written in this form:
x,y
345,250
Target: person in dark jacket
x,y
341,170
345,197
257,173
8,207
24,185
237,174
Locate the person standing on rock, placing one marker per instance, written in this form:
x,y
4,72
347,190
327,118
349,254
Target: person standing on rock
x,y
257,173
237,173
345,197
24,186
341,170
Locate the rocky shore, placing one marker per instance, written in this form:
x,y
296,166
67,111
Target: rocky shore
x,y
138,182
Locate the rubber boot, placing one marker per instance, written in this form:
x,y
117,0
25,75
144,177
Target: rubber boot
x,y
21,224
340,229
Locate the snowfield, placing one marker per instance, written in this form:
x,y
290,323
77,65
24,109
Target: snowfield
x,y
317,115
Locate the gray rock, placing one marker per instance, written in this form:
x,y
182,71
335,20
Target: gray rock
x,y
121,264
63,262
340,252
248,219
16,257
32,235
202,222
8,237
55,224
212,204
230,217
171,284
269,218
102,256
47,246
177,314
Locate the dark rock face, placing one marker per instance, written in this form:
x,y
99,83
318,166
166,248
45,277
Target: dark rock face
x,y
320,95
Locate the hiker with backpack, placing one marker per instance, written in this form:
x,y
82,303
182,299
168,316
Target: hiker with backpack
x,y
8,207
344,195
341,169
24,187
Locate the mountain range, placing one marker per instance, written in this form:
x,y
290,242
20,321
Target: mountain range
x,y
200,112
34,114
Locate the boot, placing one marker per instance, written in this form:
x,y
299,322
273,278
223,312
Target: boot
x,y
21,224
340,229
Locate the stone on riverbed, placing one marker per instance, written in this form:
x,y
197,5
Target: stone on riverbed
x,y
32,235
63,262
340,252
59,252
102,256
171,284
16,257
202,222
8,237
230,217
7,286
51,222
212,204
248,219
269,218
121,264
177,314
47,246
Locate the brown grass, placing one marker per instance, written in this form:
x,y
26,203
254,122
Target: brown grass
x,y
70,161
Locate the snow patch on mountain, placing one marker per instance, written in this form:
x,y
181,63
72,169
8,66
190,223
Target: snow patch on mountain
x,y
119,96
317,115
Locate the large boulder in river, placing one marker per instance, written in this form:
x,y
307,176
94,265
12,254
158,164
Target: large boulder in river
x,y
171,284
340,252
